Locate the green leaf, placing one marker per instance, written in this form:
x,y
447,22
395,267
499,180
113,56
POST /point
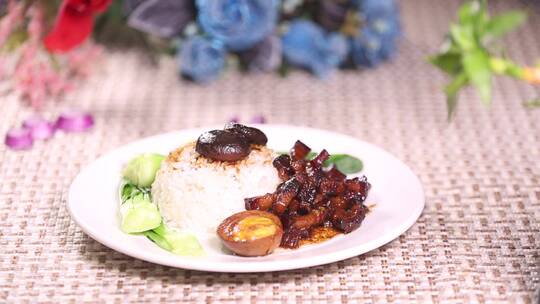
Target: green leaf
x,y
447,62
483,4
179,243
129,191
463,36
14,40
158,239
501,25
468,11
348,164
311,155
480,25
141,170
345,163
477,67
452,91
139,214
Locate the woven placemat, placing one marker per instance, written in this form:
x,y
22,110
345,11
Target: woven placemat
x,y
478,239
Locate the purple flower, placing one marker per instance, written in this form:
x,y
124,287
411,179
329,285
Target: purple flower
x,y
307,45
258,119
128,6
3,7
239,24
264,56
201,59
163,18
234,119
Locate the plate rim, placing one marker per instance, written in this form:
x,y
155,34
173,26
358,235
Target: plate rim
x,y
197,263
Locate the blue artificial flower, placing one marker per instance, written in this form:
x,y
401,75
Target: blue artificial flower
x,y
377,39
240,24
388,25
307,45
370,48
201,59
381,15
377,7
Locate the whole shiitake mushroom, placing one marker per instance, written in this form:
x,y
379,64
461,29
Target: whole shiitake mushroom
x,y
253,135
251,233
222,145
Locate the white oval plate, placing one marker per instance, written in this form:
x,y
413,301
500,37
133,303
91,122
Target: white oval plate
x,y
396,193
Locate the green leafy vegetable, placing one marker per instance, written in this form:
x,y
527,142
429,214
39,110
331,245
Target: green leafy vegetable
x,y
141,171
184,244
345,163
139,214
129,191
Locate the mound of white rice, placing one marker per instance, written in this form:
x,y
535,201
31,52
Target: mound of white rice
x,y
197,194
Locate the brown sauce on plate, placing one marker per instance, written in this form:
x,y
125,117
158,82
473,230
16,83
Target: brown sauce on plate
x,y
319,235
322,234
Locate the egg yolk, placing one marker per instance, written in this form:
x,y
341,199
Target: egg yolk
x,y
253,227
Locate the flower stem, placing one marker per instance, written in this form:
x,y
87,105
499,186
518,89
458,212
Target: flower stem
x,y
532,75
506,67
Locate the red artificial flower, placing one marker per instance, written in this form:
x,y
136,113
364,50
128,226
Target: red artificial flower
x,y
74,24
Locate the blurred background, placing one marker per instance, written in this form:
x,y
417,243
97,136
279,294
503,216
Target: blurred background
x,y
130,87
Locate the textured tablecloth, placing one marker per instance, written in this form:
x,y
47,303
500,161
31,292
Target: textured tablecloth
x,y
478,239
